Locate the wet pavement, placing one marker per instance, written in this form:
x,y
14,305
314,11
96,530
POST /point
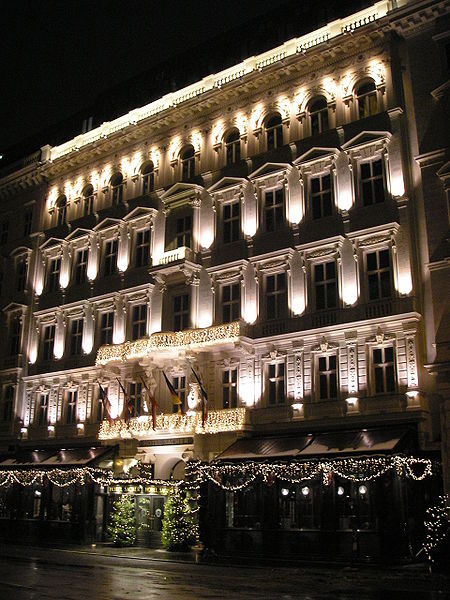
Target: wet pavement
x,y
106,573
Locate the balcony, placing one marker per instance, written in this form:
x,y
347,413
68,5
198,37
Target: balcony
x,y
171,256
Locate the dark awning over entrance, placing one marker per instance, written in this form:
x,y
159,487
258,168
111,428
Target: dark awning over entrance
x,y
70,457
307,446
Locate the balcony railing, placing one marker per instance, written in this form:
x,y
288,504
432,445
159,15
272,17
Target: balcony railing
x,y
173,255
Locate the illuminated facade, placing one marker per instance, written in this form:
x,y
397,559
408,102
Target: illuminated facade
x,y
263,227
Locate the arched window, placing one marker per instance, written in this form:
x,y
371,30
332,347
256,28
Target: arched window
x,y
88,200
187,156
232,147
318,113
148,177
116,188
366,95
274,132
61,210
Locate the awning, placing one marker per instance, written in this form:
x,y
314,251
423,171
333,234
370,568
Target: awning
x,y
70,457
364,441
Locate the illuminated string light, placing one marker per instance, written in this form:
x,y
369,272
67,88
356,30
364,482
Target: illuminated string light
x,y
437,525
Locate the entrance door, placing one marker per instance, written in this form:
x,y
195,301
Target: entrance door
x,y
149,516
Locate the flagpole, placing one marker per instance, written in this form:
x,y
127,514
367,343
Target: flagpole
x,y
152,401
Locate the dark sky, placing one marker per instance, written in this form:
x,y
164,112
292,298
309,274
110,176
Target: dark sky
x,y
57,55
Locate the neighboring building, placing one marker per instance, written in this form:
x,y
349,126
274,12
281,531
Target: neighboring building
x,y
281,229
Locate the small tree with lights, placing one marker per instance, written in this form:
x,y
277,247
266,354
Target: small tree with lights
x,y
122,527
179,529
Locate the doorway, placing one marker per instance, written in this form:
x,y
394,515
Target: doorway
x,y
149,516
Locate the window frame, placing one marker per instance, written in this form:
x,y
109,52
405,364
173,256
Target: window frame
x,y
187,162
15,334
229,233
323,192
279,395
274,133
232,303
230,387
232,146
102,329
281,306
147,178
80,266
135,398
110,257
76,336
117,184
42,409
8,393
372,179
182,316
138,320
320,114
48,341
378,271
324,282
327,372
382,347
180,385
364,105
71,402
142,248
53,274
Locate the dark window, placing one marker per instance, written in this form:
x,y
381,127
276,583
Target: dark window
x,y
116,189
111,257
4,230
187,156
276,296
100,415
179,385
181,312
231,222
61,210
325,285
233,147
229,388
21,274
274,132
184,231
28,221
1,282
8,403
367,100
76,336
274,209
372,182
139,321
81,261
384,369
15,332
318,113
142,247
135,398
71,406
276,383
327,375
148,178
379,274
321,197
42,415
54,268
231,299
106,328
49,341
88,200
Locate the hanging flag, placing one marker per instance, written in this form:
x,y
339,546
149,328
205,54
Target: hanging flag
x,y
106,403
151,397
176,400
128,406
204,399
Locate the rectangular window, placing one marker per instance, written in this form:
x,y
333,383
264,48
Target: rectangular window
x,y
42,415
81,261
49,341
111,248
142,247
276,383
274,209
54,268
4,230
184,231
27,221
100,413
21,274
231,299
325,285
138,321
384,369
71,406
229,388
231,222
276,296
327,377
14,339
8,403
116,194
106,328
179,385
379,274
135,398
181,312
372,183
76,337
321,196
148,182
88,205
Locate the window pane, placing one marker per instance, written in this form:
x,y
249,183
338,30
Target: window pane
x,y
332,362
385,281
389,354
379,384
377,355
390,380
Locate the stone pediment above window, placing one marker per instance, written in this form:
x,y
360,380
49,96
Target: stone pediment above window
x,y
141,213
107,224
78,234
444,174
316,159
51,244
279,170
227,185
181,194
375,140
13,307
20,251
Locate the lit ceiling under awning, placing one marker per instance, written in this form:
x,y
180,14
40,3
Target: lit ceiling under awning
x,y
266,447
55,458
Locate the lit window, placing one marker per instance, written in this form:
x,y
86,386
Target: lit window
x,y
71,406
274,209
135,398
372,182
318,113
42,412
231,222
49,341
27,221
61,210
383,369
275,374
81,260
181,312
106,328
276,296
88,200
148,178
274,132
111,247
76,336
321,197
116,189
229,388
8,403
367,99
327,377
142,247
231,299
184,231
325,285
15,333
187,156
379,274
233,147
139,321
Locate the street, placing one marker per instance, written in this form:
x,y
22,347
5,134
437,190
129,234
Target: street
x,y
42,574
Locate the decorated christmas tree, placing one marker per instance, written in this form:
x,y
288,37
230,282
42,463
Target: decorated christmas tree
x,y
179,529
122,527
